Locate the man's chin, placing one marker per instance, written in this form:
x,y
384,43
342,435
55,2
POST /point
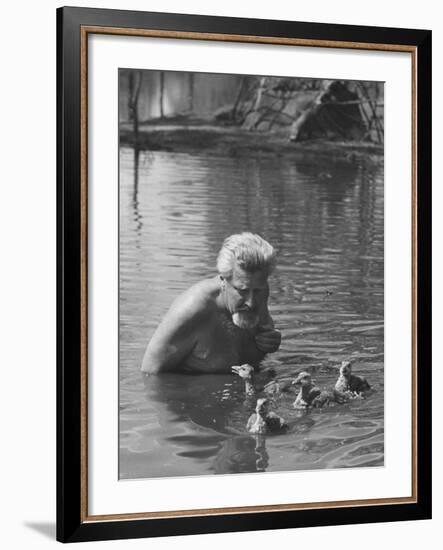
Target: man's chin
x,y
245,319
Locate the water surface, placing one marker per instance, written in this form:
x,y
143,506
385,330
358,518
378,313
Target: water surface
x,y
326,221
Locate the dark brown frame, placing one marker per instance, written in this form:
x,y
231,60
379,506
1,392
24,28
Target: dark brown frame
x,y
73,521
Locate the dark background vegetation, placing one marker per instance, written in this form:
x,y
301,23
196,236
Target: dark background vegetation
x,y
208,105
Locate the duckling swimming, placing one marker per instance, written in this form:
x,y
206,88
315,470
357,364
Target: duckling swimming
x,y
312,396
264,421
245,371
308,391
348,382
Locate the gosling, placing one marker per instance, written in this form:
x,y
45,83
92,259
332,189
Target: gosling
x,y
308,391
264,421
311,395
245,371
351,383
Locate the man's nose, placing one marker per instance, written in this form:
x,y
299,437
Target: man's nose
x,y
250,300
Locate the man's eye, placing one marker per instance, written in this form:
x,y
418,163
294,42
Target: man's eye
x,y
246,290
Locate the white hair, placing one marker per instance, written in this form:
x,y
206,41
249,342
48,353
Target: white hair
x,y
248,251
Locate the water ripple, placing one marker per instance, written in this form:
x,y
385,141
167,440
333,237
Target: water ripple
x,y
326,297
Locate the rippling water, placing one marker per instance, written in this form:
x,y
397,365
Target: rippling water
x,y
326,221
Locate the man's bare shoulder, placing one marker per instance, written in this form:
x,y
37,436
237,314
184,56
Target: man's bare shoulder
x,y
198,301
178,331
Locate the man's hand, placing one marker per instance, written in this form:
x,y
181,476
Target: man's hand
x,y
268,339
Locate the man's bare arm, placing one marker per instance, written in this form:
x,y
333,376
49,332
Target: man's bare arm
x,y
175,337
268,339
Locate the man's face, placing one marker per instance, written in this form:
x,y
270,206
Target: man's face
x,y
245,294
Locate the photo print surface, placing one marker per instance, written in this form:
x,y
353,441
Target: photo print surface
x,y
292,170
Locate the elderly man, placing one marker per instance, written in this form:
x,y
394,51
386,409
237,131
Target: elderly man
x,y
222,321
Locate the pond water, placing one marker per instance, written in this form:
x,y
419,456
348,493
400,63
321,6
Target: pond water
x,y
326,221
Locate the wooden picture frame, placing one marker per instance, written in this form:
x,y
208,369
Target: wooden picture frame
x,y
74,25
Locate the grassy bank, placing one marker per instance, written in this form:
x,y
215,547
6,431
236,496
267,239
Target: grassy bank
x,y
235,142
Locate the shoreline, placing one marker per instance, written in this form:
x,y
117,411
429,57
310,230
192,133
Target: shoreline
x,y
230,141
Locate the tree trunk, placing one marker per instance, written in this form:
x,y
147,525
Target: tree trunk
x,y
134,87
191,93
162,93
255,115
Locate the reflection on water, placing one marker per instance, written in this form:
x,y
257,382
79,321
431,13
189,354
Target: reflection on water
x,y
326,221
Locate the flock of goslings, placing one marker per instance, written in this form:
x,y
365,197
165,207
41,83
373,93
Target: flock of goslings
x,y
348,386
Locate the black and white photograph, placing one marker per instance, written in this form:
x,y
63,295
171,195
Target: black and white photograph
x,y
219,321
251,274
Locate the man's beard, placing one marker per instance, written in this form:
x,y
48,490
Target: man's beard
x,y
245,319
